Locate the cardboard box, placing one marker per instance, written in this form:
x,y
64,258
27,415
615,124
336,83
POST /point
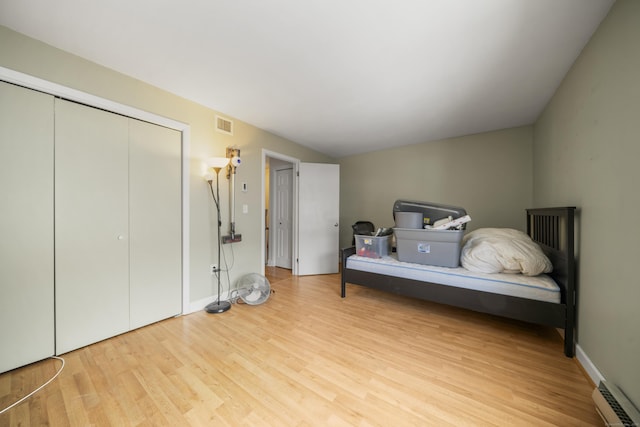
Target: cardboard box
x,y
373,247
430,247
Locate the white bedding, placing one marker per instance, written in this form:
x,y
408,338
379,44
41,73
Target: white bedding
x,y
503,250
541,287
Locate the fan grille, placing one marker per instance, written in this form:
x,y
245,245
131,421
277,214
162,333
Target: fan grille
x,y
253,289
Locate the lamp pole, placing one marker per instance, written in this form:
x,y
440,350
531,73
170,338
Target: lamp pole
x,y
217,306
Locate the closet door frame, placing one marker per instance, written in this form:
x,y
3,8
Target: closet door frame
x,y
71,94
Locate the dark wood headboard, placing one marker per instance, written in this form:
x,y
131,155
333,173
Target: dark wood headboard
x,y
553,230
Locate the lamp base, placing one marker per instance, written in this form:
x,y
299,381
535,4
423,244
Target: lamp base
x,y
218,307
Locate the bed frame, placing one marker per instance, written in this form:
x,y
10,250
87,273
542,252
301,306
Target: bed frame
x,y
553,229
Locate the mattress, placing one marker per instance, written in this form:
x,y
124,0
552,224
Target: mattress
x,y
541,287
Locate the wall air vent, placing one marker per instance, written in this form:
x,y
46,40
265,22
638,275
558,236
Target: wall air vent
x,y
224,125
614,407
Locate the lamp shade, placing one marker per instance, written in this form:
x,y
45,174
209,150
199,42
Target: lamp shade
x,y
217,162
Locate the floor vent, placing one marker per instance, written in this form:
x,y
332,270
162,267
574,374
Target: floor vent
x,y
224,125
614,407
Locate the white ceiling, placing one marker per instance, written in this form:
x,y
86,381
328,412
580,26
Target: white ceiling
x,y
342,77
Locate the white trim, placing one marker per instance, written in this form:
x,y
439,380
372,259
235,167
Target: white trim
x,y
186,279
588,366
71,94
296,167
200,304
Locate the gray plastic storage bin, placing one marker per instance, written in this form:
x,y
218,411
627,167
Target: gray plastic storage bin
x,y
431,247
373,246
412,220
431,212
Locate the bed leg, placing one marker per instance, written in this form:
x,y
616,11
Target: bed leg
x,y
345,253
569,341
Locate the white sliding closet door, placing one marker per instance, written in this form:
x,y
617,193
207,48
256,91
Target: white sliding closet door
x,y
26,226
155,221
91,225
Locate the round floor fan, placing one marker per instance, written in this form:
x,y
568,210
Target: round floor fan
x,y
253,288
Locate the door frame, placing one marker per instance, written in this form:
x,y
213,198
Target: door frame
x,y
294,197
275,208
75,95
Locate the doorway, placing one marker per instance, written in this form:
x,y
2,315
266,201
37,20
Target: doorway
x,y
282,208
314,195
280,213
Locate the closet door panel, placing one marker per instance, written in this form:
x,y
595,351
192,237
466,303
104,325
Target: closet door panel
x,y
26,226
155,221
91,225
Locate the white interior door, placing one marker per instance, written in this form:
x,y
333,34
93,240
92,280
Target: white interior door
x,y
284,217
319,211
26,226
91,225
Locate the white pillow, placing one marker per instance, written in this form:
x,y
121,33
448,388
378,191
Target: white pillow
x,y
503,250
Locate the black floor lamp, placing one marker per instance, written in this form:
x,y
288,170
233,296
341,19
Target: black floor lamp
x,y
217,163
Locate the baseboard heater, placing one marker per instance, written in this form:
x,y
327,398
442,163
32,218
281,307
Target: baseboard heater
x,y
614,407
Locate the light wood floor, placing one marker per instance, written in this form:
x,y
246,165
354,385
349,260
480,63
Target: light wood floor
x,y
310,358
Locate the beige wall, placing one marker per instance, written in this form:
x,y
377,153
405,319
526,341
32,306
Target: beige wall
x,y
31,57
586,153
488,174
